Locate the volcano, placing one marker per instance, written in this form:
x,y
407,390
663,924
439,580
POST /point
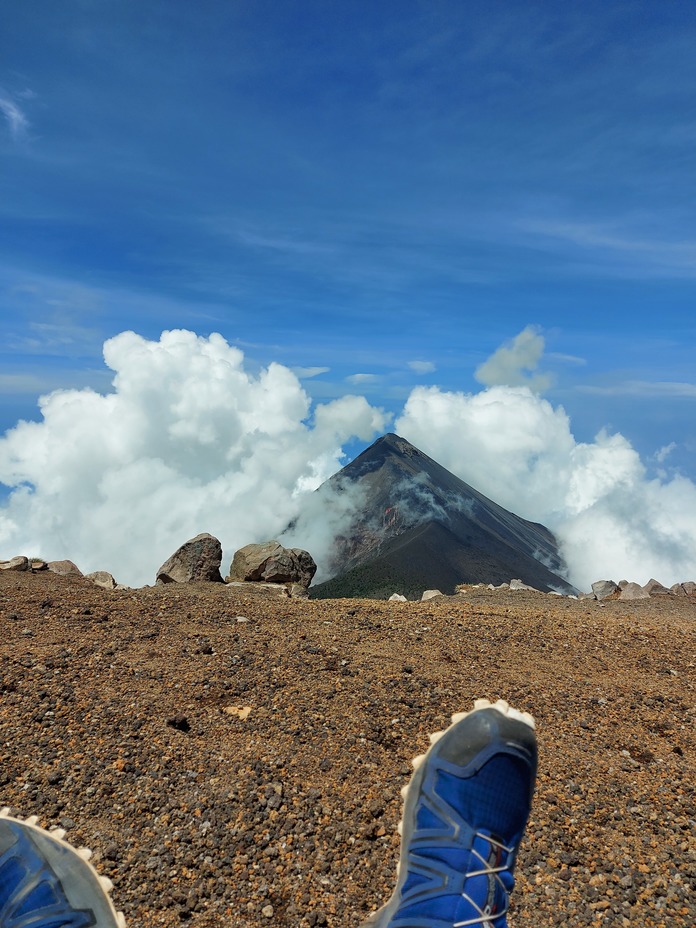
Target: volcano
x,y
416,526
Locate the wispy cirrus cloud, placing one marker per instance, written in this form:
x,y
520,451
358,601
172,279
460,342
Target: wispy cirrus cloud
x,y
305,373
422,367
651,254
644,388
362,378
16,120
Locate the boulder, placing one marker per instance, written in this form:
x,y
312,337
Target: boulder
x,y
37,564
397,598
103,579
622,584
15,563
654,587
678,589
270,562
603,589
430,594
65,568
634,591
197,559
689,587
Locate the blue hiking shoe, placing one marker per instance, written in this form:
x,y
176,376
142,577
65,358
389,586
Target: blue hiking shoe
x,y
46,883
465,811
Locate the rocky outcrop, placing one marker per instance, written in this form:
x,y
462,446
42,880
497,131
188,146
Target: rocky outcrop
x,y
270,562
197,559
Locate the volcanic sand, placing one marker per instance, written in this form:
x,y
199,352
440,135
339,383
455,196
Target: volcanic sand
x,y
236,761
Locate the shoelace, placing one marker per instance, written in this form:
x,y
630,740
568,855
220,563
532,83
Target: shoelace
x,y
485,916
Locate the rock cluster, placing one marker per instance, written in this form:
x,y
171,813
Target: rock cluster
x,y
623,590
266,569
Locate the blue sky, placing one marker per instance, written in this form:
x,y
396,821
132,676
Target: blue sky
x,y
357,187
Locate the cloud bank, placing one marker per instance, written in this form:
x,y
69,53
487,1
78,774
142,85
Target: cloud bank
x,y
191,441
518,449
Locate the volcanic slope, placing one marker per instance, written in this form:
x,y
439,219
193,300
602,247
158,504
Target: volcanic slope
x,y
240,774
419,527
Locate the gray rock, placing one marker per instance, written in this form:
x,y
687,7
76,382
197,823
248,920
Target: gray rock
x,y
270,562
36,564
689,587
587,596
197,559
65,568
654,587
603,589
622,584
678,588
430,594
634,591
103,579
397,598
15,563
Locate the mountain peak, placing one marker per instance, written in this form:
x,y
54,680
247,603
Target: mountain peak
x,y
416,520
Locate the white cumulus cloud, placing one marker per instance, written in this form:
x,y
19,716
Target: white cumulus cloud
x,y
514,363
515,447
189,441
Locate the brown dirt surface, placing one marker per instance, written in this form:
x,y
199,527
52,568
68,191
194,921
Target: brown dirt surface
x,y
122,718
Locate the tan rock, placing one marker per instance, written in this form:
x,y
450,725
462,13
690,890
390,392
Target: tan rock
x,y
65,568
270,562
103,579
634,591
655,588
15,563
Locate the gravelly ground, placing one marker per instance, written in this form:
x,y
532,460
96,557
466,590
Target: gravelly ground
x,y
295,806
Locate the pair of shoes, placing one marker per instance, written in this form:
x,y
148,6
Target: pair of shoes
x,y
46,883
465,811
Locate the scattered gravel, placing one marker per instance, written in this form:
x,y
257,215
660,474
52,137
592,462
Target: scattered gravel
x,y
247,773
